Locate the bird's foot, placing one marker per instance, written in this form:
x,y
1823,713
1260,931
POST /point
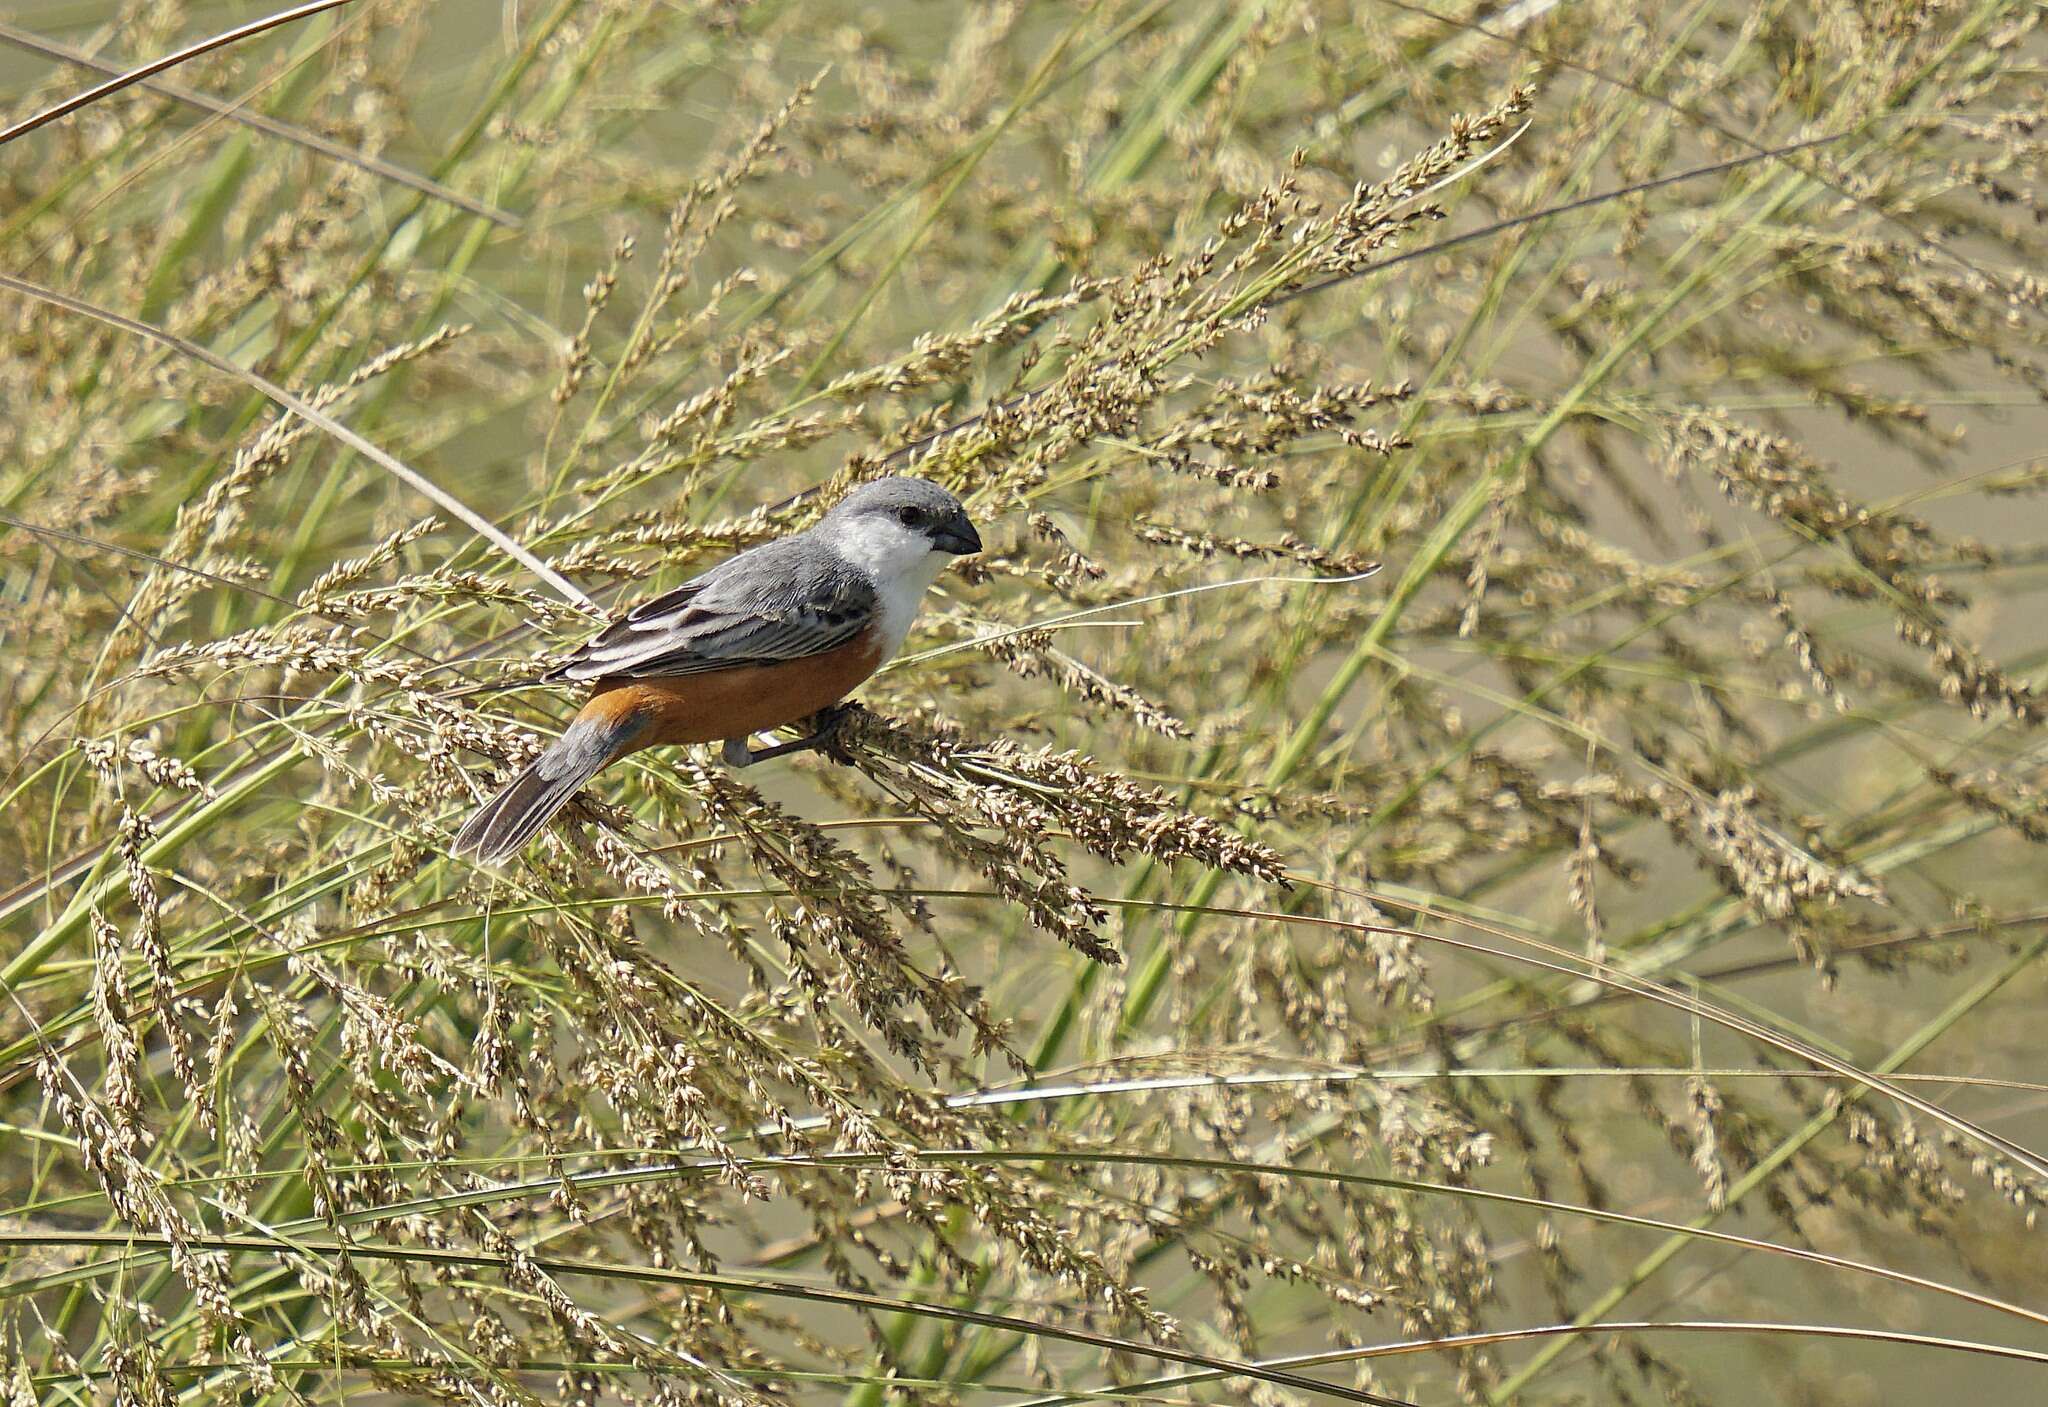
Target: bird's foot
x,y
823,737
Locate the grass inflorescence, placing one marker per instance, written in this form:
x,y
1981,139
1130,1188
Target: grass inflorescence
x,y
1473,836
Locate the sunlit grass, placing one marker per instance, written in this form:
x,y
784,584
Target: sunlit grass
x,y
1532,971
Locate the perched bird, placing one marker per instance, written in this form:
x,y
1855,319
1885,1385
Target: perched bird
x,y
776,634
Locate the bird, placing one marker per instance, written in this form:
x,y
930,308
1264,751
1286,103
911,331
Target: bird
x,y
773,635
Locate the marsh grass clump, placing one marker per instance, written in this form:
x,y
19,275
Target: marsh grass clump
x,y
1479,811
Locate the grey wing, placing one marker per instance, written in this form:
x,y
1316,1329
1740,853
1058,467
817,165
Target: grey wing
x,y
767,606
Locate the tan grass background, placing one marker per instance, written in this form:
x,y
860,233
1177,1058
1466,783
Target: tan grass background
x,y
1601,948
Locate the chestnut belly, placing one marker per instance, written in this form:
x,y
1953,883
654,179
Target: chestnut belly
x,y
731,703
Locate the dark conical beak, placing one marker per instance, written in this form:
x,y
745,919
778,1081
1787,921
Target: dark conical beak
x,y
957,536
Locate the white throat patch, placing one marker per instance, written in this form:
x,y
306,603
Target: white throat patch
x,y
902,564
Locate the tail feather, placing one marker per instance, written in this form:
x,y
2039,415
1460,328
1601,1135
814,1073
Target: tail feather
x,y
515,815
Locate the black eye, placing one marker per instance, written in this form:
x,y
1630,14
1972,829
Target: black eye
x,y
909,517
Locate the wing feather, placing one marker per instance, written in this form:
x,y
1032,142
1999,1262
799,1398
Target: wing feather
x,y
785,600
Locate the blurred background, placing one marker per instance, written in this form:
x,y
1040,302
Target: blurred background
x,y
1218,965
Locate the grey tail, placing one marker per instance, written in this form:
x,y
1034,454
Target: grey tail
x,y
516,814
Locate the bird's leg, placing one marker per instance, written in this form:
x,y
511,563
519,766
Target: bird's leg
x,y
823,738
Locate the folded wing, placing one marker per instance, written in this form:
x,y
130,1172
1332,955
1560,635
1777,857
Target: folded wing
x,y
785,600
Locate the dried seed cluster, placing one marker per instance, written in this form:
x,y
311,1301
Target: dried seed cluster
x,y
1173,957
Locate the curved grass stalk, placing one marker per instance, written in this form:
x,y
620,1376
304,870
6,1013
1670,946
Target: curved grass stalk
x,y
136,1248
141,72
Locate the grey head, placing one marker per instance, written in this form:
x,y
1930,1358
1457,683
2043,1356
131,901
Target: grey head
x,y
901,507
